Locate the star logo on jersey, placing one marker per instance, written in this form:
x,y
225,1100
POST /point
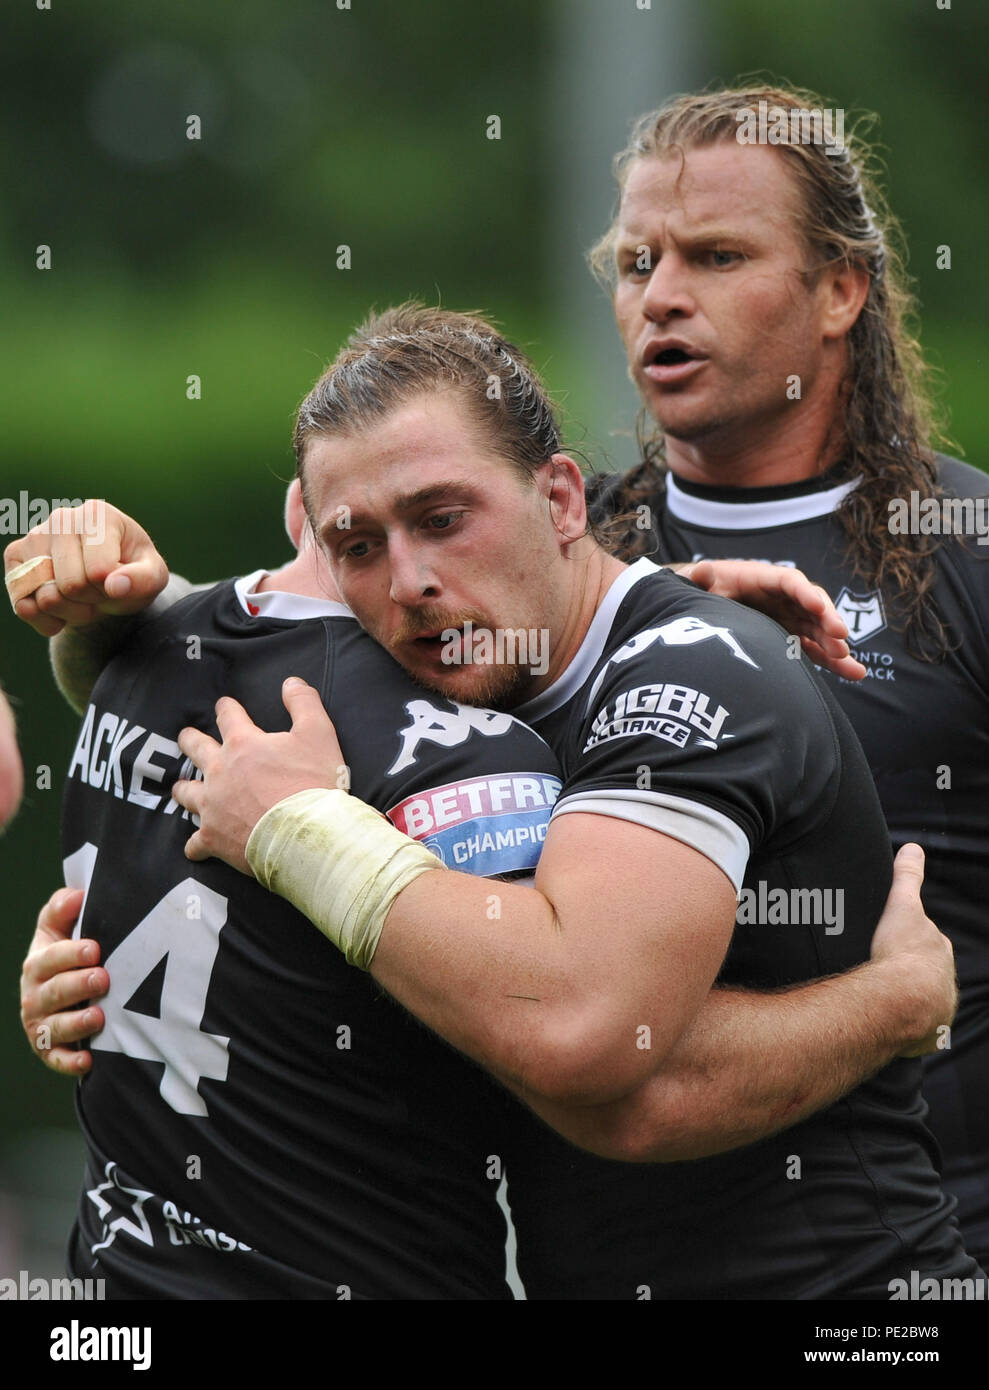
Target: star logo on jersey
x,y
864,613
137,1227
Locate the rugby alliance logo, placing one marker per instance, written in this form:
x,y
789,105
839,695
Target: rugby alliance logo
x,y
670,712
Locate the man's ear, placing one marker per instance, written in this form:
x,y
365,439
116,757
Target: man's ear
x,y
296,521
845,291
567,504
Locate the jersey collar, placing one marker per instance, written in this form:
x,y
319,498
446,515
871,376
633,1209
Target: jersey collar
x,y
745,515
590,650
276,603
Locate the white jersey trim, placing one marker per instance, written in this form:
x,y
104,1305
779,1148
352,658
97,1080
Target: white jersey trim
x,y
277,603
752,516
710,832
590,650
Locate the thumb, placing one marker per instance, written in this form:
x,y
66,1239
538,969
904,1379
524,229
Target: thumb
x,y
142,573
908,869
304,705
139,582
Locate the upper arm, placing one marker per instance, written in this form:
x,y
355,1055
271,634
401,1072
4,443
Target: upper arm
x,y
79,654
652,919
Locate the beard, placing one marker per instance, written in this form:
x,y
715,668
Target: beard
x,y
493,687
496,685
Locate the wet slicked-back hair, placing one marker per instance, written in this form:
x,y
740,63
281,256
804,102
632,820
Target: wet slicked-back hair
x,y
412,350
883,432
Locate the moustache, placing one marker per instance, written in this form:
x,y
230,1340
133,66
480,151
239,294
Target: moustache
x,y
422,620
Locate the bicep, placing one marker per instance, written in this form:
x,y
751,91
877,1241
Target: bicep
x,y
654,916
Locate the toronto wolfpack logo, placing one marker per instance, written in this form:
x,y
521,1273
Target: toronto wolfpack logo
x,y
864,613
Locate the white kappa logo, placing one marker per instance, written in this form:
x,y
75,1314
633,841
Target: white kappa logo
x,y
681,632
447,728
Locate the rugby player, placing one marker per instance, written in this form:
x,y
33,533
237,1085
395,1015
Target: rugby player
x,y
697,758
762,305
262,1122
191,1124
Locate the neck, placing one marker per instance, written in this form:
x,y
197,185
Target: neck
x,y
768,454
307,575
592,573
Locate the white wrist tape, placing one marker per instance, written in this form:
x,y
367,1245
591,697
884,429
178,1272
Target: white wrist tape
x,y
339,862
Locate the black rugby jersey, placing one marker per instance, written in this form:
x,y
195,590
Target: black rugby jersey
x,y
924,728
685,713
260,1120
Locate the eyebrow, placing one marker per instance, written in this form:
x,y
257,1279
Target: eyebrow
x,y
706,232
408,501
420,497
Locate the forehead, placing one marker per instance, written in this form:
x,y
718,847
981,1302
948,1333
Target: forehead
x,y
430,438
720,185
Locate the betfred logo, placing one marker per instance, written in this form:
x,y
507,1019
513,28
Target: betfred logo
x,y
418,816
486,825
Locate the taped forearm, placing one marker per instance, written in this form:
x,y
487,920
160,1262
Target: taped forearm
x,y
78,654
339,862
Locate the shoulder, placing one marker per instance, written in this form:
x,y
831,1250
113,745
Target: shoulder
x,y
701,719
705,673
181,603
961,479
666,620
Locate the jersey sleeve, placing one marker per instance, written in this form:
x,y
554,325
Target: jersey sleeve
x,y
704,732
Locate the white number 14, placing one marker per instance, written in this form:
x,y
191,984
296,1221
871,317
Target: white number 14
x,y
184,927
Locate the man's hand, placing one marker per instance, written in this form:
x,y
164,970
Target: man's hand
x,y
250,771
788,597
81,564
906,937
57,976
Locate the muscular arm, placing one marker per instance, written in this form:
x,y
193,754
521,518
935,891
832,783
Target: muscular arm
x,y
744,1065
750,1065
557,988
551,986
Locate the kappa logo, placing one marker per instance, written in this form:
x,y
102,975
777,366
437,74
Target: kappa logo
x,y
681,632
864,613
684,632
446,727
